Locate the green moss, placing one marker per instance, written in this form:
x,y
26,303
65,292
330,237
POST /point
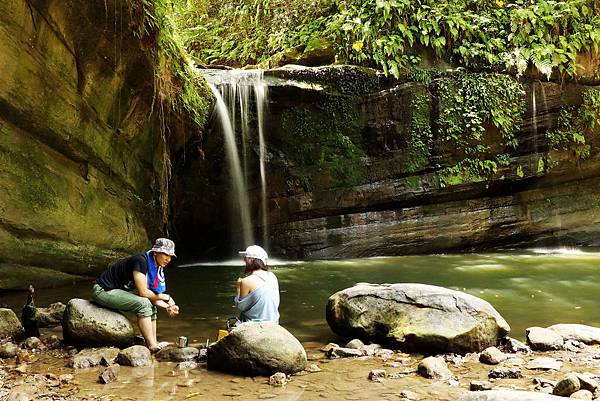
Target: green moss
x,y
323,137
577,126
421,137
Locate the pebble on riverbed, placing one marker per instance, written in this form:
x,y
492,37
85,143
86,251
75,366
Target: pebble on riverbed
x,y
278,379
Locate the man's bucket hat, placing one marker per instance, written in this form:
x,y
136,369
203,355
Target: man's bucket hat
x,y
164,245
256,252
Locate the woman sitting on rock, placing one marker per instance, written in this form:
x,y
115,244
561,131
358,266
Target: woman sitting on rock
x,y
143,273
257,293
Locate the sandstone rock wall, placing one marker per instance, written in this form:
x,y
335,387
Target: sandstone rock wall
x,y
77,142
395,207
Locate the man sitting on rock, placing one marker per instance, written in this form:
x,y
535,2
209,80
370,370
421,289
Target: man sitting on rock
x,y
144,273
257,293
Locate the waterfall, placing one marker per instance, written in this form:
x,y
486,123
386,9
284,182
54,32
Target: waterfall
x,y
236,92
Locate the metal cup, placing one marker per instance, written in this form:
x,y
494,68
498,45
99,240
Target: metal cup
x,y
182,342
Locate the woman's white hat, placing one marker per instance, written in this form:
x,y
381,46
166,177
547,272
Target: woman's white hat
x,y
256,252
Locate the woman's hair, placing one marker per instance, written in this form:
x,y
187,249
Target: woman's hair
x,y
256,264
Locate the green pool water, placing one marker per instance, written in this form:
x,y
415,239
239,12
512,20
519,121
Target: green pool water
x,y
528,288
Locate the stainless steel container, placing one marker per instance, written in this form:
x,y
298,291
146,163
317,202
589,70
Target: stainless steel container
x,y
182,342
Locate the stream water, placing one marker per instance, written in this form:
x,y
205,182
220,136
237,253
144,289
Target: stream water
x,y
529,288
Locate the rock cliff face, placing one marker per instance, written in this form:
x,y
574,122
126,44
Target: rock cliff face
x,y
79,151
382,202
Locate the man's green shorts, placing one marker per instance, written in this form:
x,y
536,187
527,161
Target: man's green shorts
x,y
125,301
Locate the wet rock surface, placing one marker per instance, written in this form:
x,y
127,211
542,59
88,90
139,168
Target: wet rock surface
x,y
136,355
257,348
176,354
10,325
85,323
416,317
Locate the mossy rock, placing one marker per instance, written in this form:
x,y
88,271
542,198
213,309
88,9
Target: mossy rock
x,y
10,326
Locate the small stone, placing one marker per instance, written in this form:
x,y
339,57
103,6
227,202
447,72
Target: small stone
x,y
330,346
512,345
492,356
583,395
187,365
504,372
313,368
377,375
18,396
8,350
356,344
544,363
540,339
52,342
480,385
33,343
66,378
567,385
186,383
278,379
109,374
136,355
340,352
266,396
587,382
384,353
434,368
408,395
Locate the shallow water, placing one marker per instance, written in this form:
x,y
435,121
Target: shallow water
x,y
537,287
528,288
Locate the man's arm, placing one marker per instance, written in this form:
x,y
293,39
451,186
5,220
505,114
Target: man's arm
x,y
141,284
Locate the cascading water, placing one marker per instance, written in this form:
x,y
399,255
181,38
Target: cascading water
x,y
236,90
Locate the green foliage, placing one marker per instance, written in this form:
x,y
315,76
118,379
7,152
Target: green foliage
x,y
322,138
494,35
577,125
177,86
421,137
472,106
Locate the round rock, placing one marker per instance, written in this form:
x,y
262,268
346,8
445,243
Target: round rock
x,y
10,325
89,324
257,348
416,317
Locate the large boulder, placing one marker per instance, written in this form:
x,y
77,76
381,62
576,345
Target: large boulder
x,y
10,326
416,317
257,348
508,395
85,323
579,332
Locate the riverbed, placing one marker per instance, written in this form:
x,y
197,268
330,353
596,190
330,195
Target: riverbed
x,y
537,287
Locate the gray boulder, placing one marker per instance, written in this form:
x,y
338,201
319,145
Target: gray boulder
x,y
50,316
416,317
540,339
136,355
90,357
508,395
578,332
10,325
89,324
257,348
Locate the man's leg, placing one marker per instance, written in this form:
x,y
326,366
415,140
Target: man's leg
x,y
126,301
148,330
